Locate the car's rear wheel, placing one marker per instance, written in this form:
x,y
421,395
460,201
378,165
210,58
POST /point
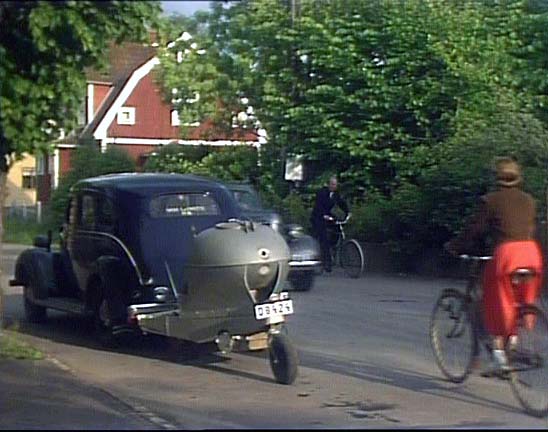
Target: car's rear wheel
x,y
103,324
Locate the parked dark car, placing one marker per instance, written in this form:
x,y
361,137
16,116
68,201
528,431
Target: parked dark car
x,y
304,249
165,254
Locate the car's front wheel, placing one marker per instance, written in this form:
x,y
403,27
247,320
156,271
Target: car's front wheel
x,y
33,312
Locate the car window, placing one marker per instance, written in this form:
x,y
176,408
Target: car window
x,y
87,212
184,204
105,213
247,200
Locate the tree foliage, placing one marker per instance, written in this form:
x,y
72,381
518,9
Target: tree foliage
x,y
44,48
223,163
407,100
86,162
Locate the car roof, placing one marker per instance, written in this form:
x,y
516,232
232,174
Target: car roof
x,y
239,185
146,184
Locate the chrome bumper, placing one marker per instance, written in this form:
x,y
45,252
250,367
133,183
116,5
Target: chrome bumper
x,y
151,308
304,264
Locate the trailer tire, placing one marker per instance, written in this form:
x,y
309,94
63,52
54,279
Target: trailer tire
x,y
283,359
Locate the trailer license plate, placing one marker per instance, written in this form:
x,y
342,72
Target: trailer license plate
x,y
267,310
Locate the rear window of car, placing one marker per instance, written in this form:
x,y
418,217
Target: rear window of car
x,y
184,205
247,200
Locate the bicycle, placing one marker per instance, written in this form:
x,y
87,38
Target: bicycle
x,y
347,252
457,321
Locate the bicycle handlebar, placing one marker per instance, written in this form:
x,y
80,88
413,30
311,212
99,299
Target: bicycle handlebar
x,y
339,222
476,257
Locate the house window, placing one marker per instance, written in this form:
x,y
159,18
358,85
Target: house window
x,y
175,118
29,178
41,164
126,116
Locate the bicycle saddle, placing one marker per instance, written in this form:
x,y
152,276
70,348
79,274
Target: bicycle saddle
x,y
522,275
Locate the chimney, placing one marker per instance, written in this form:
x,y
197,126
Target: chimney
x,y
153,37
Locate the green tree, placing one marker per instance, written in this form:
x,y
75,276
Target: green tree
x,y
351,84
388,94
238,163
87,161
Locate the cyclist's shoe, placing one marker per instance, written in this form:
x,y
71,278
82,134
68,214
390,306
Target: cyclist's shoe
x,y
499,365
512,344
499,356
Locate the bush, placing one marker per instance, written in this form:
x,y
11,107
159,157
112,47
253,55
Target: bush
x,y
20,231
224,163
369,219
176,158
296,210
426,211
87,161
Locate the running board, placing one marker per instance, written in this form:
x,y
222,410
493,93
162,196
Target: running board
x,y
65,304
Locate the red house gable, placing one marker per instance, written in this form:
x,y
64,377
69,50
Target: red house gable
x,y
152,114
129,82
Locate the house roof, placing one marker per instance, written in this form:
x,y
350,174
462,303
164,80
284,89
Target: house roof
x,y
122,61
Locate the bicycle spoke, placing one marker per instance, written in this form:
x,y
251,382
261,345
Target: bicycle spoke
x,y
529,374
452,336
352,258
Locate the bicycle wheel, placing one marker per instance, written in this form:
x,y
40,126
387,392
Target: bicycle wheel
x,y
544,299
352,258
529,361
452,335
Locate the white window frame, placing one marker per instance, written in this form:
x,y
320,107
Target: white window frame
x,y
126,116
175,121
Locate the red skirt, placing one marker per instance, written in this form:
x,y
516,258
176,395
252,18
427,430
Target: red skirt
x,y
499,296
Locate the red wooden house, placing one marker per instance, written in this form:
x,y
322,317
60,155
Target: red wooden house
x,y
124,108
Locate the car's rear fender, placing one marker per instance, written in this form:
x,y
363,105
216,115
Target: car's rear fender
x,y
34,267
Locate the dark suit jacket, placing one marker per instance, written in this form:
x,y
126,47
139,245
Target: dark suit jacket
x,y
324,204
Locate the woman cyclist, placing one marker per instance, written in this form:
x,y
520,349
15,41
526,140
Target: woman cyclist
x,y
508,214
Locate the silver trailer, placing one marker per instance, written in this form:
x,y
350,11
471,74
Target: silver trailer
x,y
231,294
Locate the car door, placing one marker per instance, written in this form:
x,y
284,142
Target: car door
x,y
83,246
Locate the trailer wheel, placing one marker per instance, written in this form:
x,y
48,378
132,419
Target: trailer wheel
x,y
283,358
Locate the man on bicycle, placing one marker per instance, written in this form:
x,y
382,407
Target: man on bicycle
x,y
321,218
508,214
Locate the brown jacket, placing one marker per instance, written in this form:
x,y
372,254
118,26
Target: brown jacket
x,y
507,214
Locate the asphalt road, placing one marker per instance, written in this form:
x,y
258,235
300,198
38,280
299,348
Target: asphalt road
x,y
365,362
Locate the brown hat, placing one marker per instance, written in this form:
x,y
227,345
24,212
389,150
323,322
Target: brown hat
x,y
508,172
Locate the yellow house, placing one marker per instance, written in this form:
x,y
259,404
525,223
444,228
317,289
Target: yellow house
x,y
21,183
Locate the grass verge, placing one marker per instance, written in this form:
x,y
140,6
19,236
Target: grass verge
x,y
22,231
13,348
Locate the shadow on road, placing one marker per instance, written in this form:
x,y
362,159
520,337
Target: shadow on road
x,y
77,331
400,378
44,397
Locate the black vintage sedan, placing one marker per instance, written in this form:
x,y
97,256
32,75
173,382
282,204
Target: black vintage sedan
x,y
166,254
129,231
